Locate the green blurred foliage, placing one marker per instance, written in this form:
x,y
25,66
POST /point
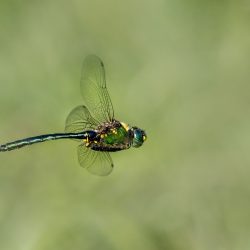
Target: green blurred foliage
x,y
178,69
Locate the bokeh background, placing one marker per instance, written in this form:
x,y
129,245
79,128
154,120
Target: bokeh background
x,y
178,69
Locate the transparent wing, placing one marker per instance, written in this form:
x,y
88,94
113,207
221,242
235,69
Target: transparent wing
x,y
79,119
96,162
94,91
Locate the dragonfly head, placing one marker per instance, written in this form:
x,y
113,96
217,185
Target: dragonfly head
x,y
139,136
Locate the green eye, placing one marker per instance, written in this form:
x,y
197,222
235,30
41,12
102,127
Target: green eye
x,y
139,137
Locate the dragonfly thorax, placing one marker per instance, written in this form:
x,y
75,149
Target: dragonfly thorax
x,y
111,136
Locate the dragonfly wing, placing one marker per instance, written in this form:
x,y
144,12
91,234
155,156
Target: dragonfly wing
x,y
94,90
96,162
79,119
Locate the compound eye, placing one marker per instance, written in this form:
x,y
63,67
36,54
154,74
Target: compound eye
x,y
139,137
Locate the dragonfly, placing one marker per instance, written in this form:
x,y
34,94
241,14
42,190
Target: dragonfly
x,y
93,124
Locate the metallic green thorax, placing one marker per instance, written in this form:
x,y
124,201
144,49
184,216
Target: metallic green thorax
x,y
110,136
115,136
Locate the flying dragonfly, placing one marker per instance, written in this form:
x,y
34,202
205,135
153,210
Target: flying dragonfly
x,y
93,125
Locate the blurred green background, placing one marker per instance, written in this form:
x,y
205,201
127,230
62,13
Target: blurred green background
x,y
178,69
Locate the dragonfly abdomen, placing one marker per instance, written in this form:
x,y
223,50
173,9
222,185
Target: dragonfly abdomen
x,y
42,138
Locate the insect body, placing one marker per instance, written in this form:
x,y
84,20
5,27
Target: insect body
x,y
111,137
97,130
